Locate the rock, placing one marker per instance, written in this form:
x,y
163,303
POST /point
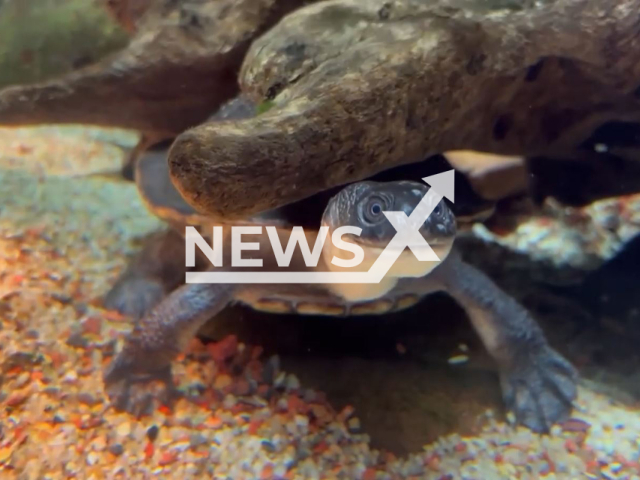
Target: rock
x,y
292,382
124,429
116,449
77,340
24,360
152,432
88,399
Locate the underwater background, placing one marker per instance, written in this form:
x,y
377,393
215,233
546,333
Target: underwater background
x,y
409,395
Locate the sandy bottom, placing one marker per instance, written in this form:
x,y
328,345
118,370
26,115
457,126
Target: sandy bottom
x,y
397,397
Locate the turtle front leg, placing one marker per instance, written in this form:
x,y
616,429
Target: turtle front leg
x,y
538,384
154,272
141,373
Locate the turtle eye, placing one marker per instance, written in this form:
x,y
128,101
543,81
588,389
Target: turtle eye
x,y
373,209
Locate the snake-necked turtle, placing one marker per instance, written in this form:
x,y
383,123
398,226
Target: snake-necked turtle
x,y
538,384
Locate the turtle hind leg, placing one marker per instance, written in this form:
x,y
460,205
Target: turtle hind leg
x,y
139,377
538,384
153,273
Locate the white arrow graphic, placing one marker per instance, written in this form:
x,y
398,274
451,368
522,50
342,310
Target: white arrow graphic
x,y
442,185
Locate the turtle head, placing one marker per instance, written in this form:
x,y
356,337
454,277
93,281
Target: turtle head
x,y
362,205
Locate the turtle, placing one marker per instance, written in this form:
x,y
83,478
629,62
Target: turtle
x,y
537,382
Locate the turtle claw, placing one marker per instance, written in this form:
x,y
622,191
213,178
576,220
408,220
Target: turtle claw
x,y
540,389
139,394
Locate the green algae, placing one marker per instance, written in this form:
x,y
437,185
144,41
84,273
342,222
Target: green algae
x,y
264,107
43,38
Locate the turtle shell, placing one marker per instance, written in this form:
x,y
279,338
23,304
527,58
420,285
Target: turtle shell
x,y
163,199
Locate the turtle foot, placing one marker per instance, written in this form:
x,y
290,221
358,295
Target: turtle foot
x,y
139,393
134,297
540,388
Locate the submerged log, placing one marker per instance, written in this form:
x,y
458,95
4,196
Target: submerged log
x,y
179,67
351,88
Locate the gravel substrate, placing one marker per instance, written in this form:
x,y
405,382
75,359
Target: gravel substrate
x,y
577,237
63,241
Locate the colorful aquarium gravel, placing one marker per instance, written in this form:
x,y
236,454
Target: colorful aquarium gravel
x,y
63,241
578,237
